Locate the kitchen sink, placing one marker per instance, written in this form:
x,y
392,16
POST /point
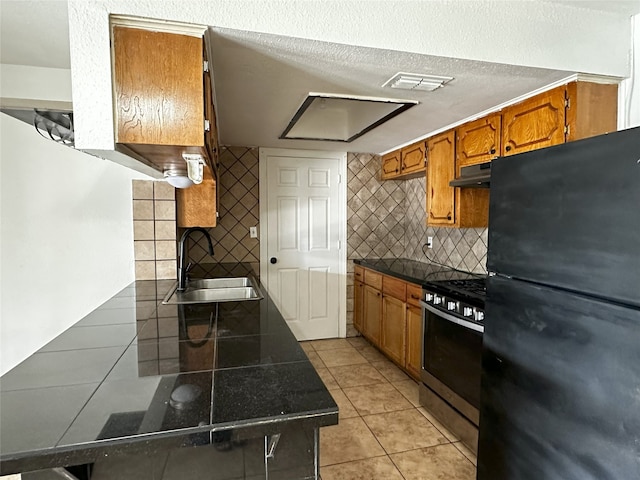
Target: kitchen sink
x,y
216,283
212,290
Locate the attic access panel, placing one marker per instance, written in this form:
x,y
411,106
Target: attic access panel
x,y
341,118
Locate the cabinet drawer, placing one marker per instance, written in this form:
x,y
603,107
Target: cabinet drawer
x,y
358,273
414,293
372,278
394,288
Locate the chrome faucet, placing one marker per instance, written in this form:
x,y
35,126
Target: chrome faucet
x,y
182,255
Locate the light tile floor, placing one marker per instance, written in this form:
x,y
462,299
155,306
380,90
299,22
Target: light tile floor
x,y
383,432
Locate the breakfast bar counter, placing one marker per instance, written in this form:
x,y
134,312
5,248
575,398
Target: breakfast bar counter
x,y
180,389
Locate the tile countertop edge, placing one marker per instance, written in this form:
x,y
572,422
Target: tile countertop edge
x,y
77,454
56,455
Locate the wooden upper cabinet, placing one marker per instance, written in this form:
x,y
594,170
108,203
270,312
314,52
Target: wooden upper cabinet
x,y
163,98
210,123
196,205
478,141
413,158
592,109
158,86
535,123
390,165
440,171
409,162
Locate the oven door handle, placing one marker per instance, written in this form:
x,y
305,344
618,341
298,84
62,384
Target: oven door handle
x,y
452,319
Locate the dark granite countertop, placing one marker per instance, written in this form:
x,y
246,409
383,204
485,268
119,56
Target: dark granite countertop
x,y
104,385
420,273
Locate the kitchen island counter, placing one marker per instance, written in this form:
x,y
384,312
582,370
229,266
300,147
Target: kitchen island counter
x,y
136,377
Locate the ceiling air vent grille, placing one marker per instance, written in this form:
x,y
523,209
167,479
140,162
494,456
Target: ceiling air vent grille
x,y
416,81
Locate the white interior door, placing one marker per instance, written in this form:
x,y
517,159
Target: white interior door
x,y
303,253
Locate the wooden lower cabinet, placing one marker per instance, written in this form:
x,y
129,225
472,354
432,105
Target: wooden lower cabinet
x,y
372,313
358,298
413,358
393,328
391,321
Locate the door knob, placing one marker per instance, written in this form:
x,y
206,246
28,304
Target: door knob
x,y
273,260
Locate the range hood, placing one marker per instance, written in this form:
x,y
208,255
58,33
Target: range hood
x,y
474,176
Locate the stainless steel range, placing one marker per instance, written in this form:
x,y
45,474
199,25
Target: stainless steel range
x,y
453,324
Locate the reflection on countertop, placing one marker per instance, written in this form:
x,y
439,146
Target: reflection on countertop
x,y
105,385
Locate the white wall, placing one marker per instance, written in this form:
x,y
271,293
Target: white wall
x,y
66,237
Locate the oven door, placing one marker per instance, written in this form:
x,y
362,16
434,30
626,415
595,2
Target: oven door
x,y
452,359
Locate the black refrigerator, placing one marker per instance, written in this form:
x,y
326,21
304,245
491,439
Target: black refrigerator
x,y
561,348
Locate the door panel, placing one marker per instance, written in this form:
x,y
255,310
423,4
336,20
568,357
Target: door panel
x,y
414,341
288,214
478,141
391,165
319,224
303,238
318,289
372,317
358,298
393,328
535,123
288,281
440,171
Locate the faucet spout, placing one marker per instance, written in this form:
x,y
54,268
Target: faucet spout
x,y
182,254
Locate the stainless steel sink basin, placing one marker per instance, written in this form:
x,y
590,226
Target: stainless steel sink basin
x,y
212,290
220,283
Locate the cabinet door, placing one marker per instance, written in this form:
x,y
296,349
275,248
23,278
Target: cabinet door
x,y
413,158
393,328
196,205
391,165
414,341
535,123
478,141
158,87
372,309
440,171
211,132
358,299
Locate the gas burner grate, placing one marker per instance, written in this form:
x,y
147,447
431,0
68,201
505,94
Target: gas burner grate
x,y
473,286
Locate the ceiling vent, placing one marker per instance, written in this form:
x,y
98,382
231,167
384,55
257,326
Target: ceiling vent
x,y
415,81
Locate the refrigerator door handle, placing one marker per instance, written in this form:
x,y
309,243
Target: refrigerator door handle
x,y
452,319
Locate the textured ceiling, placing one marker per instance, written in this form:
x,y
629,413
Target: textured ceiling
x,y
262,79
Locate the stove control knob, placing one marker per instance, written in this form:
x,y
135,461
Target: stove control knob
x,y
437,300
467,311
478,316
428,297
452,305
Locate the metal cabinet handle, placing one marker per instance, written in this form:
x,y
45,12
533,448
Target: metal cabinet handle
x,y
493,150
273,260
508,148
